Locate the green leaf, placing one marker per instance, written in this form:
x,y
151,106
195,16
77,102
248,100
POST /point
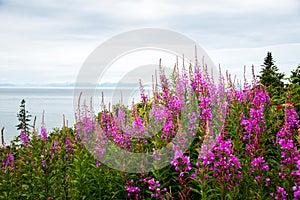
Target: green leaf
x,y
25,187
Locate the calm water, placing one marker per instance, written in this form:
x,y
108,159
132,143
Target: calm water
x,y
54,101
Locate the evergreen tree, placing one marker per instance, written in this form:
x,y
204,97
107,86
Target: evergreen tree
x,y
24,118
295,76
294,88
269,74
272,79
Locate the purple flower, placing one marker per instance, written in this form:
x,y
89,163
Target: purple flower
x,y
176,103
220,159
133,189
178,154
289,152
296,190
281,193
151,181
43,133
10,157
9,161
267,181
175,162
194,175
257,161
68,145
98,163
298,167
23,137
54,147
142,92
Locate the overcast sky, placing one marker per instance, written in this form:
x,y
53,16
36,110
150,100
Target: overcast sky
x,y
47,41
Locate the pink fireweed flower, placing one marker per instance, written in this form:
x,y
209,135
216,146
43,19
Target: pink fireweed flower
x,y
254,128
192,126
23,137
281,193
85,128
258,164
296,190
159,114
176,103
154,187
267,181
180,162
54,147
9,161
289,153
178,154
298,167
180,89
257,161
98,163
255,124
168,127
132,190
68,145
151,181
142,93
120,118
43,133
220,159
200,82
137,125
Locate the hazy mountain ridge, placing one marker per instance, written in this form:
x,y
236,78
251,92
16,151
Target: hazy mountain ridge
x,y
107,84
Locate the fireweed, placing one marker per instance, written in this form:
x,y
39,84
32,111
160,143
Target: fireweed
x,y
221,164
289,164
24,138
8,161
43,133
239,161
255,133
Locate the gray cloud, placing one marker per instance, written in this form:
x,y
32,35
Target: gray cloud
x,y
54,37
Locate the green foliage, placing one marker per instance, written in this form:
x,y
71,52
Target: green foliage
x,y
61,167
24,118
76,175
37,174
272,79
295,76
294,88
278,91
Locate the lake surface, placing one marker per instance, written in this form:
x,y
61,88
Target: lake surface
x,y
54,101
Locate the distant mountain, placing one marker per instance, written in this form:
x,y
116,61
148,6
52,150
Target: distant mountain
x,y
59,85
7,85
37,85
107,84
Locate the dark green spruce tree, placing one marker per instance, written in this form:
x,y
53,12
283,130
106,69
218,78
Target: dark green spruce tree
x,y
294,88
295,76
24,118
272,79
